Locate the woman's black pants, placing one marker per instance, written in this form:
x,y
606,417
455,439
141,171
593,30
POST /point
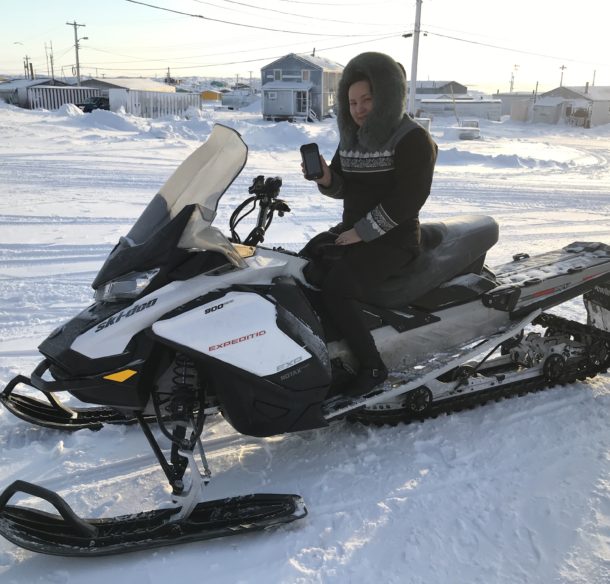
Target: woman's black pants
x,y
346,275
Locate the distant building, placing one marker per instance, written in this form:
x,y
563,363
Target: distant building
x,y
509,99
579,106
484,108
16,91
439,87
211,95
237,98
299,87
129,83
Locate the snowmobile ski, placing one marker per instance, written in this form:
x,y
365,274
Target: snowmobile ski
x,y
66,534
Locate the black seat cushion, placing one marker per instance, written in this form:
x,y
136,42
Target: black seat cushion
x,y
449,248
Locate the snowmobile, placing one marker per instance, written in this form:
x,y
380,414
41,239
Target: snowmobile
x,y
188,323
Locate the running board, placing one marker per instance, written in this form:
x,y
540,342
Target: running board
x,y
342,406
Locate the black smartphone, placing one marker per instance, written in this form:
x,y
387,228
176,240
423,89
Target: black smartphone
x,y
311,161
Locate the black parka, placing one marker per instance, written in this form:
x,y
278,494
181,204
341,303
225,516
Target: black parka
x,y
382,170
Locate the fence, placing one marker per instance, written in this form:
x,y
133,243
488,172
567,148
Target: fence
x,y
146,104
152,104
51,98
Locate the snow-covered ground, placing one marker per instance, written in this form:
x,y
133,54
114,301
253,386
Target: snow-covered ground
x,y
514,492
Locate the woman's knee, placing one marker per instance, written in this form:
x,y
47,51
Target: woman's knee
x,y
341,281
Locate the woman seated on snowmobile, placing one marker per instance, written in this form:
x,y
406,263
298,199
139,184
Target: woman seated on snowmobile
x,y
383,171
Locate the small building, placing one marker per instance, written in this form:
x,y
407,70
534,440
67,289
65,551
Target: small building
x,y
145,98
237,98
299,87
438,87
211,95
581,106
17,92
547,110
508,100
483,108
129,83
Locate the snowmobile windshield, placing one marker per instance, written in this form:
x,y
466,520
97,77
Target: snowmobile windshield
x,y
181,214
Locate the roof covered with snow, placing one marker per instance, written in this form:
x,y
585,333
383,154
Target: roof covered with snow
x,y
431,84
601,93
24,83
133,83
318,62
591,93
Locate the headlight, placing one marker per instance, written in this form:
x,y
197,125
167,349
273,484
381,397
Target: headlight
x,y
128,287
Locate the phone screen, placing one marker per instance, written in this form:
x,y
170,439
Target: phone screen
x,y
311,161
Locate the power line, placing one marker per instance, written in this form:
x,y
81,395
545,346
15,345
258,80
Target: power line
x,y
241,24
270,58
349,5
317,18
510,49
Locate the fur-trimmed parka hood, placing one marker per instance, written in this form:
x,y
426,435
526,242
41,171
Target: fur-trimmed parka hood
x,y
388,84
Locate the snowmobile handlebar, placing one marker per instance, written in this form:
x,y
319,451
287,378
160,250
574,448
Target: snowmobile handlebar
x,y
265,192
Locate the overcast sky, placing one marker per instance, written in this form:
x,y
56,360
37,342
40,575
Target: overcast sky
x,y
480,43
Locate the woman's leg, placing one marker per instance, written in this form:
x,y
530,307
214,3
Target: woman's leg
x,y
361,268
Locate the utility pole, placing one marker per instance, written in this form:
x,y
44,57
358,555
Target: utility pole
x,y
26,66
563,68
512,77
49,54
76,47
413,80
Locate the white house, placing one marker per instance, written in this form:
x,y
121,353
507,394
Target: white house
x,y
484,108
142,97
581,106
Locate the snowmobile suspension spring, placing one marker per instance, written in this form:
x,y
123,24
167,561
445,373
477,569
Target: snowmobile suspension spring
x,y
184,404
184,389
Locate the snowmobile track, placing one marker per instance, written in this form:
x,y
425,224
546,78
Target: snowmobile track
x,y
579,372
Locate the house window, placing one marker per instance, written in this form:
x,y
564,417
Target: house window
x,y
277,74
305,74
271,95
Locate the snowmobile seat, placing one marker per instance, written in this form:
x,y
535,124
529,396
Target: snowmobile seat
x,y
451,248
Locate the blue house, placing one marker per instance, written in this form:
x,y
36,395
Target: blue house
x,y
299,87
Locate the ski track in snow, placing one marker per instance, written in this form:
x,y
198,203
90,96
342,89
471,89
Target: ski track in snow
x,y
512,492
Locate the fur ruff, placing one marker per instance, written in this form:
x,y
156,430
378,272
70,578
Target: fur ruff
x,y
389,86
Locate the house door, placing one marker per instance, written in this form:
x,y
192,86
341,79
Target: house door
x,y
301,102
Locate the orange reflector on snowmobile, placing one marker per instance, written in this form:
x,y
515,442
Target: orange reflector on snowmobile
x,y
121,375
244,251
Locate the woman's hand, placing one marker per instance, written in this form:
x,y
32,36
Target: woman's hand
x,y
326,179
348,237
